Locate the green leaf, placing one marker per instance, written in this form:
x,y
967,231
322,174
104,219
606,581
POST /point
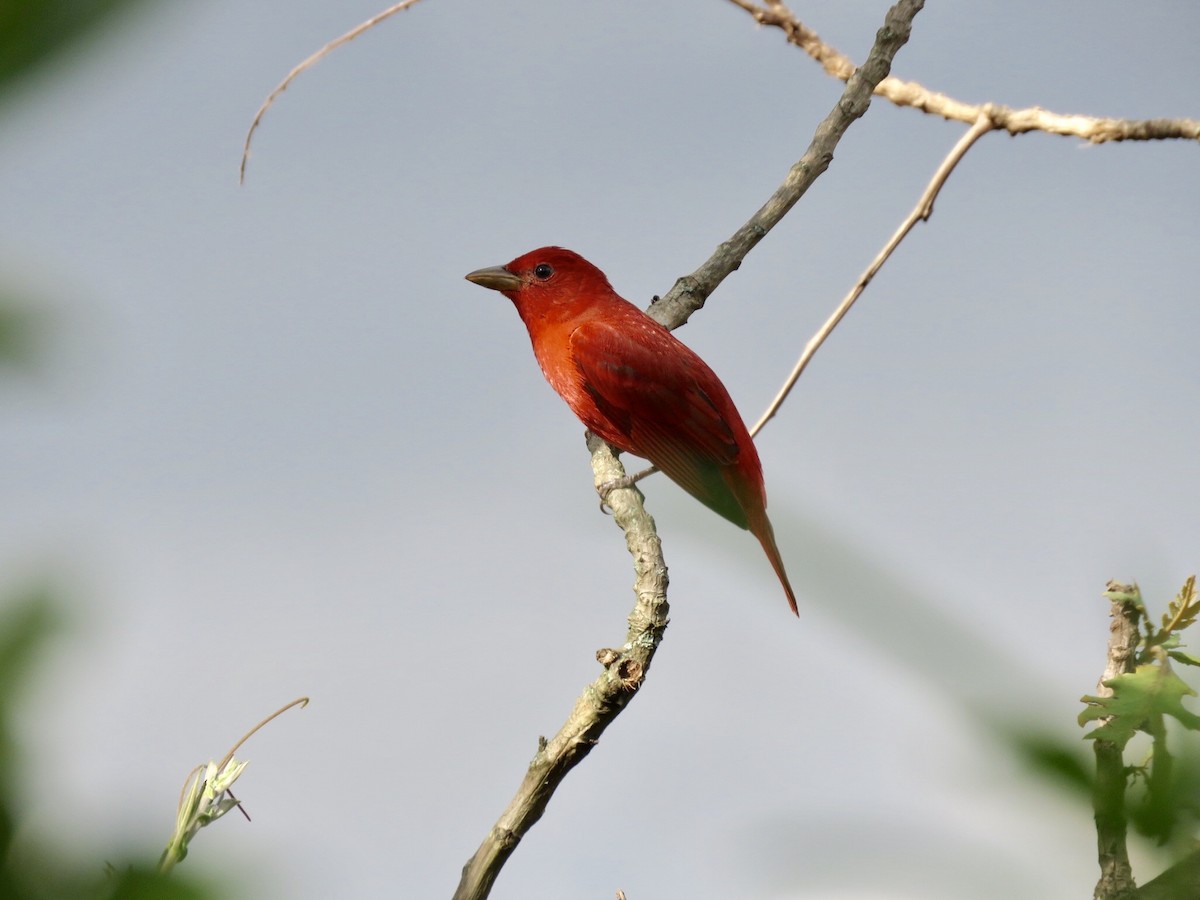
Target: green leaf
x,y
1185,658
1182,611
1153,690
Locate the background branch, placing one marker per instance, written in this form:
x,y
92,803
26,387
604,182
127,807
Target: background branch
x,y
1015,121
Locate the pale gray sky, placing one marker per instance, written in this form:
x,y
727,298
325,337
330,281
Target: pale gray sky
x,y
281,447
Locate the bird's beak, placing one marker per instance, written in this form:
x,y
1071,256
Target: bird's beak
x,y
497,278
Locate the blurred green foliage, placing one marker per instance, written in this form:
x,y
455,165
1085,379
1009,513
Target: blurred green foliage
x,y
32,34
35,31
22,630
32,871
1055,758
20,331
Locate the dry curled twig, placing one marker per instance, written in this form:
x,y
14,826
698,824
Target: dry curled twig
x,y
308,64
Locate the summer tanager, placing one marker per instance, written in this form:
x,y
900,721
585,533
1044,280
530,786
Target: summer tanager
x,y
637,386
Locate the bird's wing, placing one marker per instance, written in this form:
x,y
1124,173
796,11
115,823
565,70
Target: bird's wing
x,y
658,399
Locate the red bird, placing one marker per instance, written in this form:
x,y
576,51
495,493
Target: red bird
x,y
637,386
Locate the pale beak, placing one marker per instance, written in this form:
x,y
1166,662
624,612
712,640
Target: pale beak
x,y
497,278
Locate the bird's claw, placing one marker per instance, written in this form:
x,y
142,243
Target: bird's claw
x,y
607,487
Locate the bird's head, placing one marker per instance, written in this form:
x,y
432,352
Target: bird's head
x,y
541,280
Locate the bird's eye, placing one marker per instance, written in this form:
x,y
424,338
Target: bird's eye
x,y
543,271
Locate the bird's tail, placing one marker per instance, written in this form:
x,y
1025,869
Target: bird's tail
x,y
760,527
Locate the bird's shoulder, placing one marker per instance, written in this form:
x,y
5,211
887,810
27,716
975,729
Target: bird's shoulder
x,y
624,340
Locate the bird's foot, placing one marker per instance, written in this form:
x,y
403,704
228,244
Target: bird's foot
x,y
616,484
607,487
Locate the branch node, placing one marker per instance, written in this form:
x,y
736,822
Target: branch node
x,y
606,656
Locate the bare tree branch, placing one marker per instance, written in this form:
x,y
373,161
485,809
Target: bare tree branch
x,y
690,292
1015,121
601,701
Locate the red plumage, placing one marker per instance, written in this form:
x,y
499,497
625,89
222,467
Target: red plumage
x,y
637,386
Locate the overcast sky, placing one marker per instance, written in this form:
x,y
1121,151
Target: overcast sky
x,y
278,446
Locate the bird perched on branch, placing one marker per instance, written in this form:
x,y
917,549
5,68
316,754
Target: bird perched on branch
x,y
636,385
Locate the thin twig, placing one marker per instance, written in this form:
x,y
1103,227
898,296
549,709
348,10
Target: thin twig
x,y
308,64
1015,121
299,701
921,212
